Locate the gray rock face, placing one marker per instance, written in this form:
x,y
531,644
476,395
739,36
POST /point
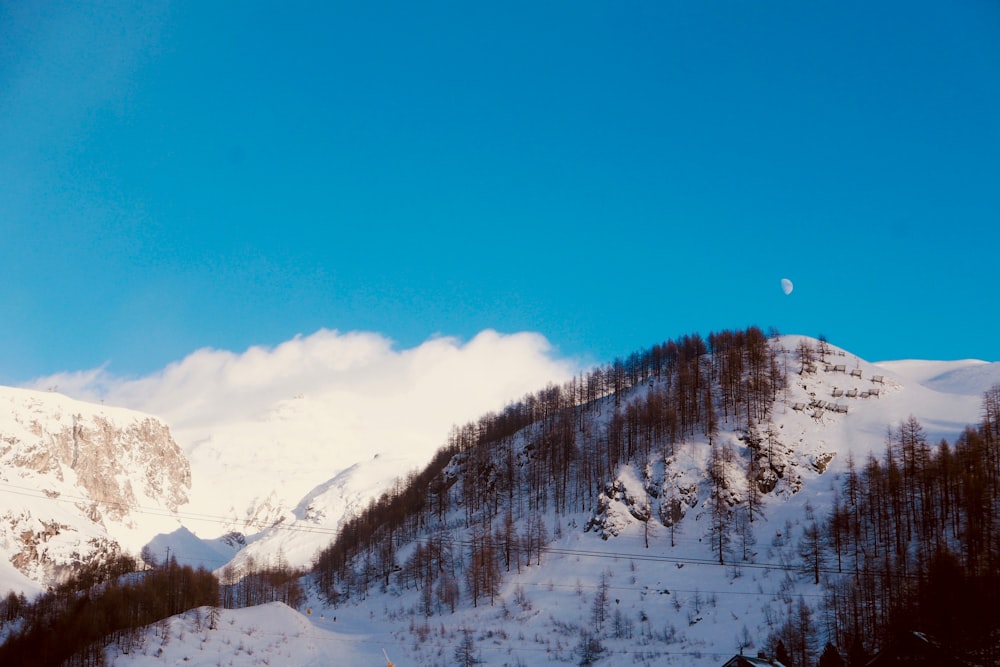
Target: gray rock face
x,y
75,474
105,456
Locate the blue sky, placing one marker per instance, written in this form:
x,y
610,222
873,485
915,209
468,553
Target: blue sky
x,y
183,175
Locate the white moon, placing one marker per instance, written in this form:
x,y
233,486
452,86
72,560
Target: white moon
x,y
787,286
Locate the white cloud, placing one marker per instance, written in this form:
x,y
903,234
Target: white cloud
x,y
284,419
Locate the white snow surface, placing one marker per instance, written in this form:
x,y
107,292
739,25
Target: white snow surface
x,y
12,580
271,634
967,376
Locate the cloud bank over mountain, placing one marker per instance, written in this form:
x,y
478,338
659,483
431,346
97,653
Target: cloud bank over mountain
x,y
283,419
210,386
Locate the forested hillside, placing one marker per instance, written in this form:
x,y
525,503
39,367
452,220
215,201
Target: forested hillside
x,y
558,450
111,600
682,439
911,543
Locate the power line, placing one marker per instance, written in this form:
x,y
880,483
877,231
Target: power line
x,y
682,560
157,511
321,530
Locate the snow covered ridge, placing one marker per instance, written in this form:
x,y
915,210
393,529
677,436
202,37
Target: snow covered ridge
x,y
77,479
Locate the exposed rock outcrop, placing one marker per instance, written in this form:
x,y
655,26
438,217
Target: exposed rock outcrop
x,y
73,472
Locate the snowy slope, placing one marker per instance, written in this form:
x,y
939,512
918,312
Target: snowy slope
x,y
187,549
316,520
968,376
271,634
296,535
944,414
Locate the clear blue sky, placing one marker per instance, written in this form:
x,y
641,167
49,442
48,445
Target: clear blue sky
x,y
180,175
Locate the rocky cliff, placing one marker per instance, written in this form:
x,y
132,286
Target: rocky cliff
x,y
76,478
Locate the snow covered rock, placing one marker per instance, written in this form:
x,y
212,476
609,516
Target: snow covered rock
x,y
79,479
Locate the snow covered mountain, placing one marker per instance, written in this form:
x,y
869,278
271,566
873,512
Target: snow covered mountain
x,y
666,597
614,571
310,428
78,479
